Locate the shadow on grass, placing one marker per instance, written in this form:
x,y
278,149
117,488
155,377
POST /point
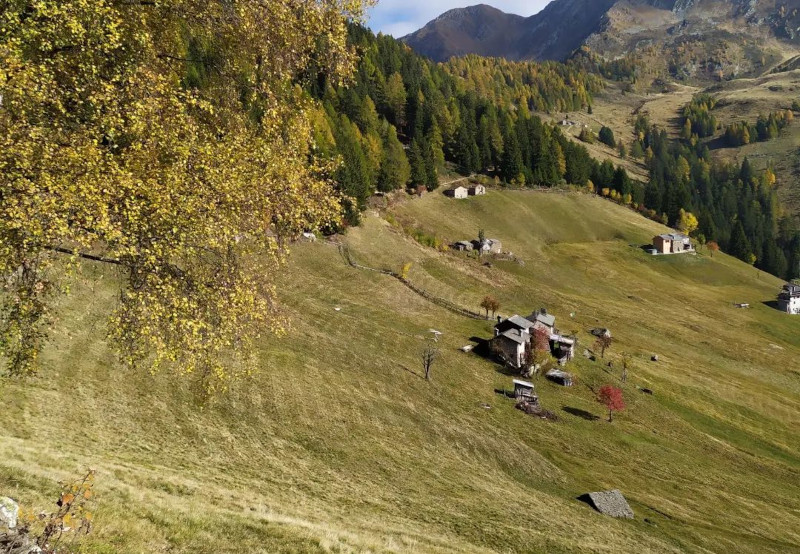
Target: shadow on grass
x,y
503,369
482,347
583,414
586,499
719,143
412,372
484,350
772,304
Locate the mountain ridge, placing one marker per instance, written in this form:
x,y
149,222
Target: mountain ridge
x,y
690,38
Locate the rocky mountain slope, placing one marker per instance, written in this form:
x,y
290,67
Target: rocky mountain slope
x,y
689,38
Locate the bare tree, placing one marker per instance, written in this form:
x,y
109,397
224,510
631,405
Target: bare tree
x,y
626,362
603,343
429,357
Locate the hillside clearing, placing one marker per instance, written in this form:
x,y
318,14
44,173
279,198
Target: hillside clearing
x,y
339,445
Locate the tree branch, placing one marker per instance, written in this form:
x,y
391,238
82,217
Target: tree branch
x,y
85,256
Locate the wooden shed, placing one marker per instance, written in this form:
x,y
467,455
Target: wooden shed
x,y
523,390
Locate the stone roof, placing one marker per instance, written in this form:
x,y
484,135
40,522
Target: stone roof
x,y
674,236
516,335
543,317
610,503
792,289
514,322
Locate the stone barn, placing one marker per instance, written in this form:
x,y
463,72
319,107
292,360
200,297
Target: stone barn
x,y
672,243
457,192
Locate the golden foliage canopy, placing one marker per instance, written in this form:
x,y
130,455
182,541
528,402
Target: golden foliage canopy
x,y
168,138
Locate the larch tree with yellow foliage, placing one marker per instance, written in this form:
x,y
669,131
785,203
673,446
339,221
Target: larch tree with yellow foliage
x,y
687,222
169,140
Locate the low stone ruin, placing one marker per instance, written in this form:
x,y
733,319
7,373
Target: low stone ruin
x,y
534,409
610,503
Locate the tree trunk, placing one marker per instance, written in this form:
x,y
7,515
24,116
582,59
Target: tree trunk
x,y
610,415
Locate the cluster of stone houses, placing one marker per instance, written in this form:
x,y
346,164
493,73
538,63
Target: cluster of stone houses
x,y
512,337
488,246
464,192
672,243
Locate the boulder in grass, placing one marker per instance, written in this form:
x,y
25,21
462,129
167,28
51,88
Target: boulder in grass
x,y
9,511
610,503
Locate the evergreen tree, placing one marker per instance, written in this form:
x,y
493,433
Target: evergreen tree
x,y
431,175
606,136
739,246
395,170
395,96
622,183
636,150
511,167
353,174
416,158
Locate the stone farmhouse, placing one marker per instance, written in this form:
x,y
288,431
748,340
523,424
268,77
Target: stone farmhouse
x,y
672,243
512,338
477,190
789,299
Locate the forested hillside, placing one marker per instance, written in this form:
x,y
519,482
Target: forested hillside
x,y
403,116
736,206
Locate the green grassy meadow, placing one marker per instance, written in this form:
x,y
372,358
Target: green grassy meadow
x,y
339,445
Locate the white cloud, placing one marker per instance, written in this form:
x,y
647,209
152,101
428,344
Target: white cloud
x,y
400,17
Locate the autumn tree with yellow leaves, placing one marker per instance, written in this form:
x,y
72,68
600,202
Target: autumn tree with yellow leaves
x,y
167,139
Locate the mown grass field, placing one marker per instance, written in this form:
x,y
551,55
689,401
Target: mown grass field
x,y
338,444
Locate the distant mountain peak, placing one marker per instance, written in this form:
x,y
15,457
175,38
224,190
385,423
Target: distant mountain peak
x,y
614,28
469,11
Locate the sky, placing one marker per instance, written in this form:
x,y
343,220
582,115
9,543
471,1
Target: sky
x,y
401,17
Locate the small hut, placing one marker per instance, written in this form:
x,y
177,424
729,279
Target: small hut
x,y
457,192
523,390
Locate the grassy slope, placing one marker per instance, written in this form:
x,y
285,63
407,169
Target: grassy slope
x,y
338,445
739,99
